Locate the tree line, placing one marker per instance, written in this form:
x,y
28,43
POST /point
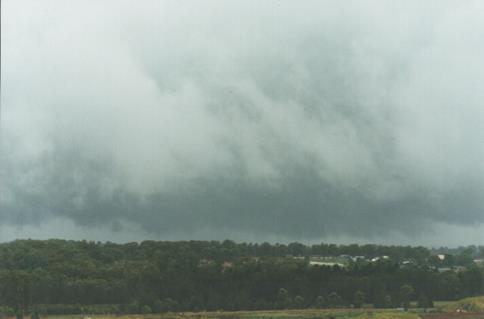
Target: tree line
x,y
58,276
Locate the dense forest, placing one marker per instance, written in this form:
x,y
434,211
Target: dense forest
x,y
58,276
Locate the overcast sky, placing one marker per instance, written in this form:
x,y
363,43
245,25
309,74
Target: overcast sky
x,y
339,121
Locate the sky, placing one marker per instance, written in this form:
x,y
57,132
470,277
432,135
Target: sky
x,y
335,121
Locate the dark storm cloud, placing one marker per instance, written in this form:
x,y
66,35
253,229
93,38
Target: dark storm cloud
x,y
180,119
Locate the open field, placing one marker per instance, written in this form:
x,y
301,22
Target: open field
x,y
472,304
467,308
452,315
324,314
292,314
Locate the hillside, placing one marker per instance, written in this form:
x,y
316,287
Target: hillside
x,y
79,277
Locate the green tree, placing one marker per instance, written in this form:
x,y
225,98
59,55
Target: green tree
x,y
320,302
157,306
145,309
334,300
406,295
424,302
298,302
169,305
283,301
387,301
133,307
359,299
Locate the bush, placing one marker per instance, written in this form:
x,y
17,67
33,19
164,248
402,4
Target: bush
x,y
145,309
424,302
358,299
7,311
298,302
283,301
320,302
168,305
334,300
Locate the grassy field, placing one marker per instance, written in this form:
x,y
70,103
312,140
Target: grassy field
x,y
299,314
469,308
285,314
473,304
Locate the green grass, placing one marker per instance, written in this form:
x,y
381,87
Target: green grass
x,y
282,314
475,304
472,304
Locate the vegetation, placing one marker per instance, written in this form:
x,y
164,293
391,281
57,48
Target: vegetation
x,y
472,304
279,314
80,277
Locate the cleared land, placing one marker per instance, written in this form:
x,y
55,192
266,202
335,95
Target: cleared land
x,y
468,308
473,304
293,314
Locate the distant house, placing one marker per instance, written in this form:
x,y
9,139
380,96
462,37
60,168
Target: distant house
x,y
379,258
326,263
454,269
459,268
441,256
356,258
205,262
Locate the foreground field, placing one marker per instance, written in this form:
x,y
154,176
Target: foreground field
x,y
293,314
473,304
468,308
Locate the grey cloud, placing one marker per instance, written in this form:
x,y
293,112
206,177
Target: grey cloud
x,y
300,121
